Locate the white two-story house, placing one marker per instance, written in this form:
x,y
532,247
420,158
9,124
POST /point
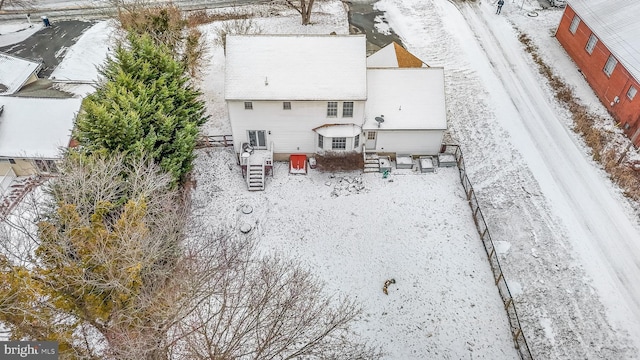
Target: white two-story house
x,y
296,93
319,94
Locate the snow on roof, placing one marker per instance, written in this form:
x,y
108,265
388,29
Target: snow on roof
x,y
338,130
295,67
615,23
393,55
36,128
409,99
81,61
14,72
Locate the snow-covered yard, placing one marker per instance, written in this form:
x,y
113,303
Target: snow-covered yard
x,y
568,240
357,230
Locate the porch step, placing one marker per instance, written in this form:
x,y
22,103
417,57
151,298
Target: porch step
x,y
255,177
371,163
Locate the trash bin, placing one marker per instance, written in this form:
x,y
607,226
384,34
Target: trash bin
x,y
45,21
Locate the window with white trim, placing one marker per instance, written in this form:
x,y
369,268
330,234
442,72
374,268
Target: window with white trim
x,y
338,143
248,105
356,141
591,44
610,65
574,24
320,141
347,109
286,105
371,135
632,92
332,109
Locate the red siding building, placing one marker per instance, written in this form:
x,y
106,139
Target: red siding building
x,y
603,38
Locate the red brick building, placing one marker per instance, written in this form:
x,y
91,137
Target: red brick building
x,y
603,38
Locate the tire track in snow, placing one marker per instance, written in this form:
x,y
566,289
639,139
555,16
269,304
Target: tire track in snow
x,y
560,316
597,225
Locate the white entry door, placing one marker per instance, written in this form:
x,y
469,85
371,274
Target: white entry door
x,y
370,144
258,139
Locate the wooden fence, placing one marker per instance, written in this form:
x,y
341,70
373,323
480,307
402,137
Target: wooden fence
x,y
214,141
498,276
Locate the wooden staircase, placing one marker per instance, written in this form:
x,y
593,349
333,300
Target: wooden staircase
x,y
16,192
255,177
371,163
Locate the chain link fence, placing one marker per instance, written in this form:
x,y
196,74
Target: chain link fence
x,y
498,276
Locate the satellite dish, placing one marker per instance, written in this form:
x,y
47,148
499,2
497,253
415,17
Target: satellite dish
x,y
379,119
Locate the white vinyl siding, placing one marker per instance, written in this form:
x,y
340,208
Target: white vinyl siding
x,y
416,142
610,65
290,131
574,24
591,44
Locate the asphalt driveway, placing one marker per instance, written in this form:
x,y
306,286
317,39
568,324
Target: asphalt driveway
x,y
50,44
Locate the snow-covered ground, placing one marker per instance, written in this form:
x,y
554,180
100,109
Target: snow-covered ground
x,y
573,238
568,238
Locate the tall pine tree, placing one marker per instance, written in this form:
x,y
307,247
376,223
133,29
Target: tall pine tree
x,y
146,105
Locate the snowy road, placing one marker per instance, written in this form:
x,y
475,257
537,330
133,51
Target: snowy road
x,y
573,243
597,225
66,9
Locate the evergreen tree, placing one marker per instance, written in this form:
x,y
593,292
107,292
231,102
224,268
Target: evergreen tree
x,y
146,105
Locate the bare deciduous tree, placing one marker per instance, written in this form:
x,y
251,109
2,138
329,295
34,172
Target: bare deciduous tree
x,y
236,27
114,274
102,279
266,308
303,7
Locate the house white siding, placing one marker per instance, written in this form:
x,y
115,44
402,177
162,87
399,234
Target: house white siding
x,y
290,131
415,142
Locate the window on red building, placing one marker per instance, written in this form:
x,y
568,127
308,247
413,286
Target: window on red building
x,y
574,24
591,44
632,92
610,65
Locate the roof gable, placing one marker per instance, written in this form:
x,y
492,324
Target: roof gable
x,y
295,67
394,55
14,73
615,23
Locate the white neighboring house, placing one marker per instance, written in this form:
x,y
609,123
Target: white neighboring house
x,y
33,132
16,72
296,93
